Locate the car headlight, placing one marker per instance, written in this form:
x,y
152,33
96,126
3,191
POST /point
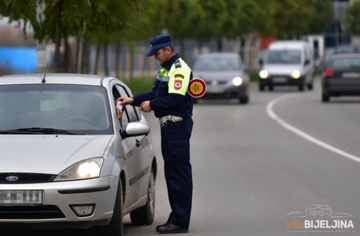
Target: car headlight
x,y
263,74
86,169
237,81
296,74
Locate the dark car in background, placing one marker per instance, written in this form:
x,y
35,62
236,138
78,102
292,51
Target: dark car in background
x,y
341,76
224,75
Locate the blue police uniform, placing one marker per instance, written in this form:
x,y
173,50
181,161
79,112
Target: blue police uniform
x,y
173,106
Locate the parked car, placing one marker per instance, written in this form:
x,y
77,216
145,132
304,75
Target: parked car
x,y
67,160
224,74
341,76
287,63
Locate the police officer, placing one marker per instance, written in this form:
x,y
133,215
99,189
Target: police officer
x,y
173,106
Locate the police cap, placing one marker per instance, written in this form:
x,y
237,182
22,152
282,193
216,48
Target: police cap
x,y
158,42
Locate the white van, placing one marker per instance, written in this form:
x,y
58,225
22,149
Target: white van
x,y
287,63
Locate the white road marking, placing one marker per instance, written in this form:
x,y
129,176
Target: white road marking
x,y
271,113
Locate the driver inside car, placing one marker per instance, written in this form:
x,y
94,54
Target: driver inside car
x,y
79,106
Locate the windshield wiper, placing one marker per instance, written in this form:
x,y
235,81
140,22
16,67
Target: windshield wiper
x,y
36,130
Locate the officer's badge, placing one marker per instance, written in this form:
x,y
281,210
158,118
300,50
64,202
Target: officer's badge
x,y
178,84
179,76
177,64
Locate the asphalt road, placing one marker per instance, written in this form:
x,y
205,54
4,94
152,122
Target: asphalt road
x,y
260,168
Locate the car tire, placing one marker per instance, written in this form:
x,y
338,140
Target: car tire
x,y
244,100
325,97
261,87
271,87
301,87
310,86
115,227
145,214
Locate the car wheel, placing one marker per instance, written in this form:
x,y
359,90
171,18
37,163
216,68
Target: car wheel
x,y
115,227
310,86
244,100
145,214
271,87
301,87
325,97
261,87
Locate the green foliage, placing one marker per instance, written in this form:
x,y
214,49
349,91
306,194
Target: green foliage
x,y
139,84
352,17
253,75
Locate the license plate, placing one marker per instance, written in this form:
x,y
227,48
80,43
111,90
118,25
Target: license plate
x,y
21,197
211,89
279,79
351,75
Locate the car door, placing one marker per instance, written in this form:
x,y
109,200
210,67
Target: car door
x,y
135,148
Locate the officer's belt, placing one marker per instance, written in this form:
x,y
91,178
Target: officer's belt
x,y
172,118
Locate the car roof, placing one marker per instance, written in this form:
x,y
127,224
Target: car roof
x,y
219,54
55,78
290,44
347,49
345,55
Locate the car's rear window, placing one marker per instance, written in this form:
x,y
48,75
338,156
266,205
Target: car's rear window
x,y
76,108
346,63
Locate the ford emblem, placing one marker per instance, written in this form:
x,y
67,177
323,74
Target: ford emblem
x,y
12,178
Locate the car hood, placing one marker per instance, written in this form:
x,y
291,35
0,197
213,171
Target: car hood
x,y
282,69
219,75
46,153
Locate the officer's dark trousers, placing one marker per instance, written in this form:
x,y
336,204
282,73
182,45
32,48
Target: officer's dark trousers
x,y
175,148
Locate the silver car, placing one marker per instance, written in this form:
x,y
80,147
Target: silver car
x,y
67,160
224,75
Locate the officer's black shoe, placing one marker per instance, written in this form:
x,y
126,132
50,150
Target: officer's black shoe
x,y
158,226
170,229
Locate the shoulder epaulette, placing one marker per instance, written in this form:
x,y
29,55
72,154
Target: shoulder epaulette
x,y
177,64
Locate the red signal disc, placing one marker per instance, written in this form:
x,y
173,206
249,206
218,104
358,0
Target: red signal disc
x,y
197,88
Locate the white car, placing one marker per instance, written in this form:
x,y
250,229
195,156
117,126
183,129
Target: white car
x,y
67,160
287,63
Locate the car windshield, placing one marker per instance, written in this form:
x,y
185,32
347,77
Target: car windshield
x,y
284,57
346,63
220,63
56,109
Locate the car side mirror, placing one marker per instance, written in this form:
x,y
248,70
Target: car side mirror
x,y
307,61
134,129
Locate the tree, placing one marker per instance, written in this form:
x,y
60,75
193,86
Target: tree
x,y
352,17
64,18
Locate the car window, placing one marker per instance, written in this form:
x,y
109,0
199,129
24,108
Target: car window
x,y
220,63
346,63
132,111
284,57
124,120
69,107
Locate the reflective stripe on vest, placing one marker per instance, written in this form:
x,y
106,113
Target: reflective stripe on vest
x,y
163,75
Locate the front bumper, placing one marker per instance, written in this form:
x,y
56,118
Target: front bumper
x,y
281,80
225,91
58,197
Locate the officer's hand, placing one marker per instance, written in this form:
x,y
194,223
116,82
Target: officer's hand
x,y
145,106
125,100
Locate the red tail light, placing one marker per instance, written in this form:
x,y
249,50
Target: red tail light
x,y
329,72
